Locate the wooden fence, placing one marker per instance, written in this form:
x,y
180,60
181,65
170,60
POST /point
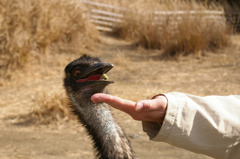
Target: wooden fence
x,y
107,17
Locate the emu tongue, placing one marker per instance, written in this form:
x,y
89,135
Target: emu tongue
x,y
91,78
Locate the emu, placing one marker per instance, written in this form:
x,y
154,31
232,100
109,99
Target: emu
x,y
83,78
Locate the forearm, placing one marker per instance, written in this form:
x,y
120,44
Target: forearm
x,y
208,125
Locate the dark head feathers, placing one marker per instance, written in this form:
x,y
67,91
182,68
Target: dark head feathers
x,y
83,60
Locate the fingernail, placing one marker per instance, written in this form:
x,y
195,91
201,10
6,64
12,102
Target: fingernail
x,y
139,106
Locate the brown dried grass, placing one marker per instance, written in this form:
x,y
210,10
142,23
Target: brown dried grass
x,y
48,108
31,27
174,34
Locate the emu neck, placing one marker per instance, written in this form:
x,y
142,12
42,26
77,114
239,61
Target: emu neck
x,y
108,137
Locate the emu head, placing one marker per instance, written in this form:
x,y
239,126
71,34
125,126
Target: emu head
x,y
86,76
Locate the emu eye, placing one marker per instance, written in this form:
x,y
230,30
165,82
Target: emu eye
x,y
77,73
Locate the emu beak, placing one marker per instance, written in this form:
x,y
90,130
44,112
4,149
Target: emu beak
x,y
101,67
96,72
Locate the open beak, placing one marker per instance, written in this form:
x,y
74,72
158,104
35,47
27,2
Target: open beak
x,y
97,72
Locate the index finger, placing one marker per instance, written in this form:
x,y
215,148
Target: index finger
x,y
116,102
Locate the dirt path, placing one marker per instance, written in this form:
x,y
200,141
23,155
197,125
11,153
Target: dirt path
x,y
138,74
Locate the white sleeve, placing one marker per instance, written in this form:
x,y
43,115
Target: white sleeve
x,y
209,125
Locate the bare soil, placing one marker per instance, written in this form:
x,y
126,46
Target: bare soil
x,y
138,74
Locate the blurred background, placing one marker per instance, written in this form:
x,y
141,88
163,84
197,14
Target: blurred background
x,y
156,46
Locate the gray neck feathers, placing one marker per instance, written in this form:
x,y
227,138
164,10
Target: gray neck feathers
x,y
109,139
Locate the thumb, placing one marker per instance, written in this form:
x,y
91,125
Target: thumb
x,y
157,104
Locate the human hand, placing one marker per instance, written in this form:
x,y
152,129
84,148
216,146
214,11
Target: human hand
x,y
151,110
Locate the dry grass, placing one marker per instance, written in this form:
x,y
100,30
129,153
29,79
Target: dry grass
x,y
195,36
30,27
174,34
177,34
48,108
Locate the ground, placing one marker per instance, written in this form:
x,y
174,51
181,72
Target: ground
x,y
137,73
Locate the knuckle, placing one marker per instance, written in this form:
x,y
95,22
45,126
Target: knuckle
x,y
147,105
